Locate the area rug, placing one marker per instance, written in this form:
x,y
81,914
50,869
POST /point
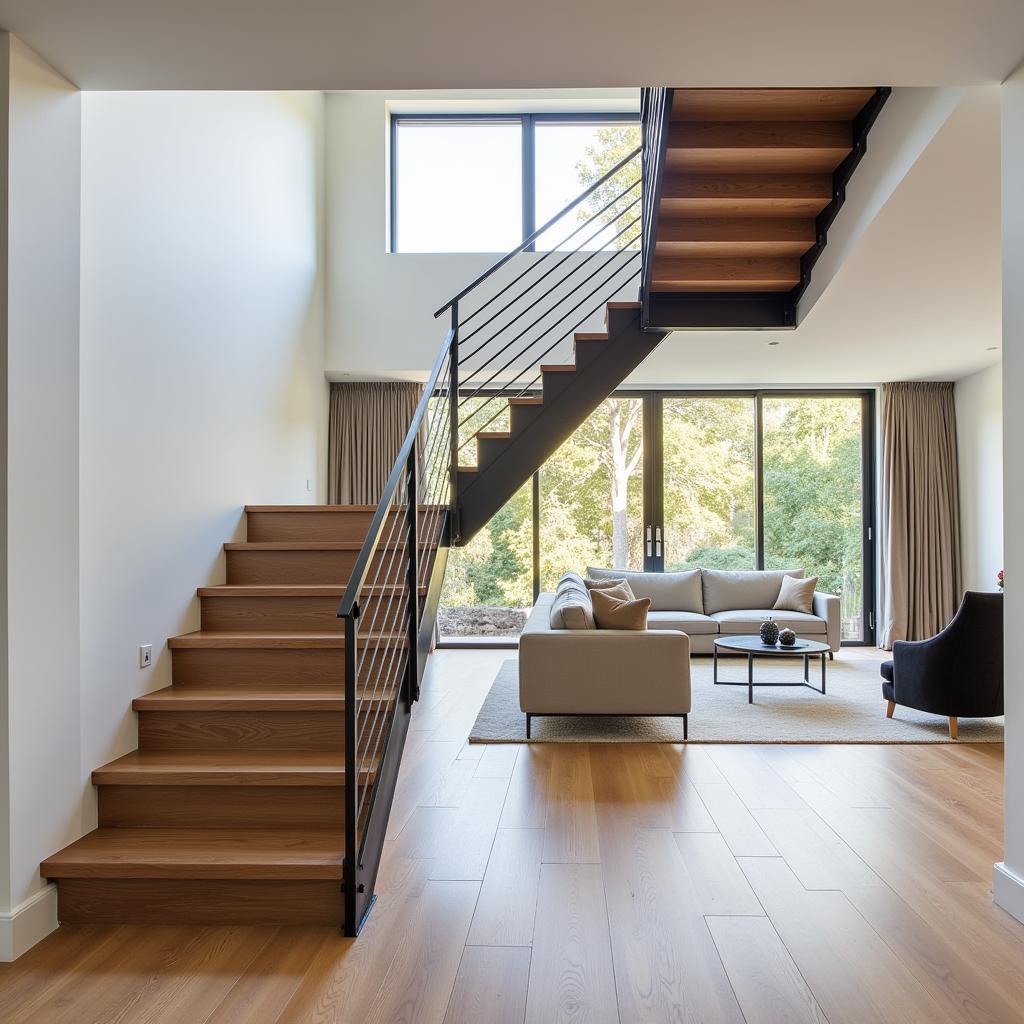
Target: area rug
x,y
851,711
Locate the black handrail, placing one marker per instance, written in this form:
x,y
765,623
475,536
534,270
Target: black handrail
x,y
530,239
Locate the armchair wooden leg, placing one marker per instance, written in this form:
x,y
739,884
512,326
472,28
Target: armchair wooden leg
x,y
890,709
953,729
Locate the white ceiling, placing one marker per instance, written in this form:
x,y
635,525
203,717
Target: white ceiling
x,y
919,298
447,44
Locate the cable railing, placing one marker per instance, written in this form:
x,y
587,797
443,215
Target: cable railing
x,y
502,328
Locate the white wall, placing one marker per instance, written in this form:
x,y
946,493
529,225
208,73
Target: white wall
x,y
979,431
202,363
380,305
1008,879
42,486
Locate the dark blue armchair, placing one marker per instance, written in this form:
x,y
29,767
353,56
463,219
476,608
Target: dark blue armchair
x,y
959,672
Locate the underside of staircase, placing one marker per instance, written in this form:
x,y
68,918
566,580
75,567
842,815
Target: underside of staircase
x,y
749,182
539,423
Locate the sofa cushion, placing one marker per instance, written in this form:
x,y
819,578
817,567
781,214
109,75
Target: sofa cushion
x,y
796,595
668,591
612,612
571,608
618,587
739,621
691,623
726,589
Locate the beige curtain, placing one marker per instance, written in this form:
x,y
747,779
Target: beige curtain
x,y
368,423
920,511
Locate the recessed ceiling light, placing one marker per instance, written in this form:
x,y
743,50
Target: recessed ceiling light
x,y
773,343
992,348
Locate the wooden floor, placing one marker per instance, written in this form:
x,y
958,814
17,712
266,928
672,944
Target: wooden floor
x,y
609,883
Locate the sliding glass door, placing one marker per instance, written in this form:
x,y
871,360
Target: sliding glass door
x,y
769,480
592,495
678,480
814,514
708,484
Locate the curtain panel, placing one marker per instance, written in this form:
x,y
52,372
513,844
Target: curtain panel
x,y
367,425
920,511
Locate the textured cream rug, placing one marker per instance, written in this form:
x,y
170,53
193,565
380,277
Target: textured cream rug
x,y
852,711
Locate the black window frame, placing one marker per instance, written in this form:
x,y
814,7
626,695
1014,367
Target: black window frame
x,y
653,483
528,125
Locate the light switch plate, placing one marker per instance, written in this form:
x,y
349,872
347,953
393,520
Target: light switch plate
x,y
145,655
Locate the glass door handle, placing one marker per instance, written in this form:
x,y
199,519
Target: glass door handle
x,y
657,542
648,542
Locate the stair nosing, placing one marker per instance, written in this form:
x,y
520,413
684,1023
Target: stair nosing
x,y
295,590
231,853
191,768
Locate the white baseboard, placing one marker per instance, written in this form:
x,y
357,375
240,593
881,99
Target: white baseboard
x,y
1008,890
28,923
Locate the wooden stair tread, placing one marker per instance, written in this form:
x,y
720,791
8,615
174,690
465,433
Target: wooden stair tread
x,y
741,274
306,545
247,698
298,638
558,368
526,401
768,104
226,768
590,336
296,590
324,508
493,435
752,146
201,853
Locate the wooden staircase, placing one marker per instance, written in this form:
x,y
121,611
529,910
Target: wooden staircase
x,y
750,181
232,809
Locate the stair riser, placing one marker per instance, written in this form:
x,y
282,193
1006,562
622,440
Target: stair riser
x,y
243,730
262,527
381,614
299,566
221,806
317,667
555,385
200,902
522,416
586,351
488,451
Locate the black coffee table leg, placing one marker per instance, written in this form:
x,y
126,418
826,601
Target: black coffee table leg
x,y
807,668
715,652
750,678
824,659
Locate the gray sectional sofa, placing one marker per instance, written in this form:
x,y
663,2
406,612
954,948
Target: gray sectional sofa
x,y
590,671
706,603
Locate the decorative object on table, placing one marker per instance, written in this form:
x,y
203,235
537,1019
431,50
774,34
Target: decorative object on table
x,y
769,632
1000,578
787,638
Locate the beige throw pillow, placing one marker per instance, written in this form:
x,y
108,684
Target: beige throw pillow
x,y
612,612
796,595
616,588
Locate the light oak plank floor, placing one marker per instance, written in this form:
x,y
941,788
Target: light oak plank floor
x,y
608,882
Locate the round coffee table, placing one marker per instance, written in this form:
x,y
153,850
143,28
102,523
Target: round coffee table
x,y
751,645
